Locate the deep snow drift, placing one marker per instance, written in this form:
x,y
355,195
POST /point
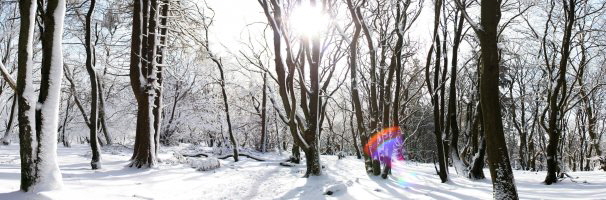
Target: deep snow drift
x,y
250,179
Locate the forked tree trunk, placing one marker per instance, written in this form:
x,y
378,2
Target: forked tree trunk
x,y
556,99
38,146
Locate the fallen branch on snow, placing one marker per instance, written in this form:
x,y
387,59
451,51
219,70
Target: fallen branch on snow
x,y
225,156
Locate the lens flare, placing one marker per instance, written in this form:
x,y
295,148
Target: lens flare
x,y
384,144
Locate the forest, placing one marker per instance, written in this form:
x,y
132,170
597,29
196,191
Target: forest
x,y
302,99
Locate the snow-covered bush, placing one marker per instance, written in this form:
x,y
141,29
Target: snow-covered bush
x,y
204,164
338,187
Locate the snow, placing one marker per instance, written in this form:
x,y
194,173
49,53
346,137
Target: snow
x,y
249,179
204,164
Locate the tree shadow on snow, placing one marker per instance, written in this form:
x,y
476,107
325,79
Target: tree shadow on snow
x,y
437,192
24,195
312,189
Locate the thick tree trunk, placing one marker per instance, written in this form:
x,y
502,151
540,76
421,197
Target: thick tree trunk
x,y
142,81
26,113
498,158
40,171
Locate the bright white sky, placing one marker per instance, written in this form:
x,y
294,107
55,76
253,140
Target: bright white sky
x,y
231,20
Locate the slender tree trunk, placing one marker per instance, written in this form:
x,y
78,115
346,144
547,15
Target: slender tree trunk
x,y
356,104
9,127
459,165
433,92
90,68
477,163
64,138
234,143
264,116
102,117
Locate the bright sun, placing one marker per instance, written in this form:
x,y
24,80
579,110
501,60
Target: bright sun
x,y
308,20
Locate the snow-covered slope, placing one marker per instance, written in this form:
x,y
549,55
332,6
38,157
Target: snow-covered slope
x,y
251,179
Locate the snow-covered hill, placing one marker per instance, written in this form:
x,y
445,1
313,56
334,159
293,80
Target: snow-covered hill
x,y
252,179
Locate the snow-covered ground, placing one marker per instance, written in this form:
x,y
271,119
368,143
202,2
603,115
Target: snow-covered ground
x,y
252,179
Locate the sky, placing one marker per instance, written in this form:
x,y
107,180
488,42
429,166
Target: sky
x,y
232,17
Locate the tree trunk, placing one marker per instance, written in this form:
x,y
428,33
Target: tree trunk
x,y
477,163
159,47
356,104
234,143
90,68
102,117
142,77
39,168
556,99
498,158
6,138
26,113
263,144
459,165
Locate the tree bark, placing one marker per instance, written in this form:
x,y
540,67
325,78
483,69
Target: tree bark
x,y
263,143
142,77
234,143
9,127
498,158
355,96
26,113
90,68
40,171
558,95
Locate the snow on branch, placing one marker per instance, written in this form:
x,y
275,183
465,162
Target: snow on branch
x,y
7,77
476,27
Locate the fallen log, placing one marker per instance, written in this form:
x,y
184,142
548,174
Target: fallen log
x,y
241,154
225,156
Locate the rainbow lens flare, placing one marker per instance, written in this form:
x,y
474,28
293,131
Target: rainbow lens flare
x,y
382,145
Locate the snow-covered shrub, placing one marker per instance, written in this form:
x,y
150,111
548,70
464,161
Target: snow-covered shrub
x,y
204,164
177,158
337,187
